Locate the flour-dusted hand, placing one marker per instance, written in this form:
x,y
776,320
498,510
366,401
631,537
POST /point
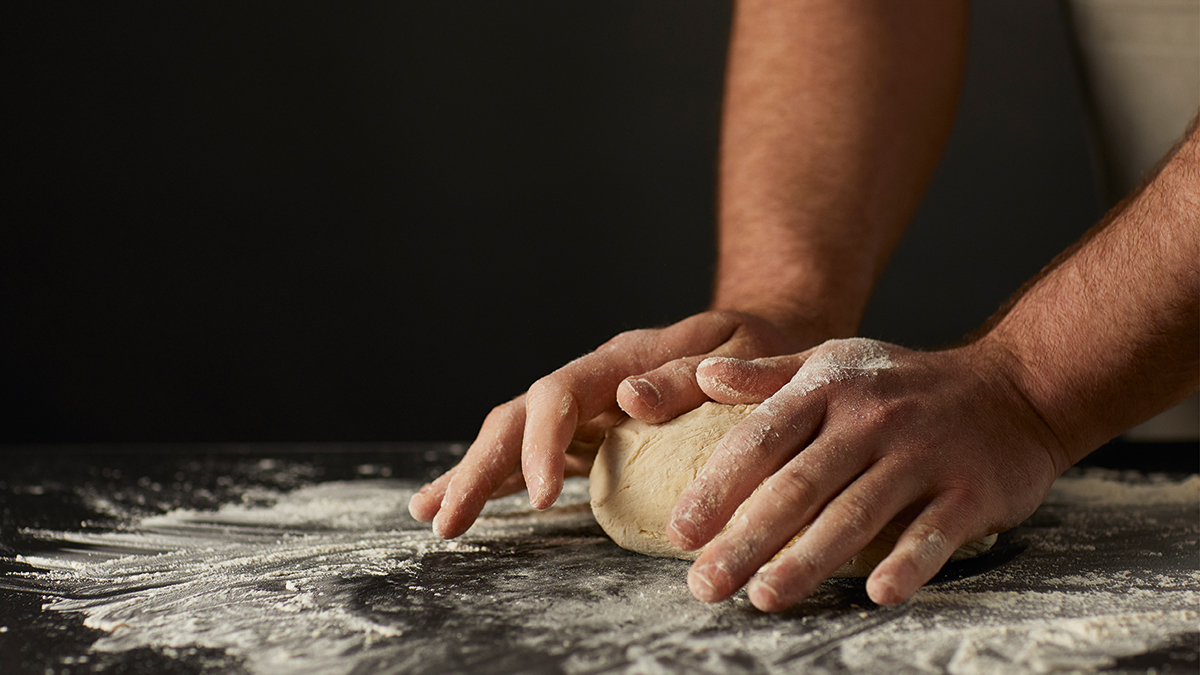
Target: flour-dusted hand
x,y
959,443
813,197
545,434
851,436
812,200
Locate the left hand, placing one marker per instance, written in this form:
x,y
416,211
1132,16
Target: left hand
x,y
553,429
852,435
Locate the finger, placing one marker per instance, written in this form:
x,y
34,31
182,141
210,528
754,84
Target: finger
x,y
843,528
581,452
489,462
578,462
672,389
668,388
754,449
551,419
728,380
574,466
424,505
663,393
922,550
731,380
585,388
772,516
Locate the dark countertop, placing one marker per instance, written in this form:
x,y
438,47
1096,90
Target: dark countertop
x,y
265,559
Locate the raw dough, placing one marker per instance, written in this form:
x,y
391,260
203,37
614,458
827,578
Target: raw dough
x,y
641,469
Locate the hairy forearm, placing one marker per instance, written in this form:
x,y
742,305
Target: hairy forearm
x,y
836,113
1109,335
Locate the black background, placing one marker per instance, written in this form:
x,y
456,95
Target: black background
x,y
374,221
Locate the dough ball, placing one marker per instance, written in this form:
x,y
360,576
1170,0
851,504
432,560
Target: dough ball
x,y
641,469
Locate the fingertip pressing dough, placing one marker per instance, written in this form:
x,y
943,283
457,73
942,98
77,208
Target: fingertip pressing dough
x,y
641,469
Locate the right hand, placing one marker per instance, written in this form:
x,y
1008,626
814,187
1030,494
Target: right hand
x,y
649,374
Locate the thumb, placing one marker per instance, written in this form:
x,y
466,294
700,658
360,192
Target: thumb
x,y
727,380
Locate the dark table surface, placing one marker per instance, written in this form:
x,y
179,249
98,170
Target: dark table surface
x,y
282,559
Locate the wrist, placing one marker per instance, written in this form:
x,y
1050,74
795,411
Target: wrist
x,y
798,296
1014,386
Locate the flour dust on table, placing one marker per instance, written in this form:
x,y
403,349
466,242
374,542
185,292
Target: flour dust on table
x,y
336,578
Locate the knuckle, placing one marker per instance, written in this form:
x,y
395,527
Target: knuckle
x,y
548,390
968,496
852,513
886,412
727,319
628,339
792,484
555,395
929,538
538,390
877,414
957,504
501,415
679,370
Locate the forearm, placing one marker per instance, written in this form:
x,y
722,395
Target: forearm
x,y
1108,336
835,115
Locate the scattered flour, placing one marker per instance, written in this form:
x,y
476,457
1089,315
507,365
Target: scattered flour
x,y
1113,488
336,578
268,584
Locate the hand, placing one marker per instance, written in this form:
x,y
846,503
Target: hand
x,y
554,428
852,435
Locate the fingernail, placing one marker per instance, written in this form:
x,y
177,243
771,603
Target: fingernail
x,y
684,529
646,392
412,507
768,590
541,493
882,591
764,595
701,587
534,484
439,526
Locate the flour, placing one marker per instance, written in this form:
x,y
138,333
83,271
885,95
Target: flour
x,y
1081,632
336,578
1114,488
832,361
839,360
267,584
